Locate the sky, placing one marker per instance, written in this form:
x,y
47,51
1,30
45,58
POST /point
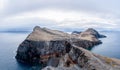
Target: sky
x,y
66,15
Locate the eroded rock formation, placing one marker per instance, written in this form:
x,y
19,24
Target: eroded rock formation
x,y
81,59
56,50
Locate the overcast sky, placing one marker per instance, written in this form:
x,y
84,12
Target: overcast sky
x,y
60,14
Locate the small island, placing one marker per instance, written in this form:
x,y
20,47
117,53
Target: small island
x,y
57,50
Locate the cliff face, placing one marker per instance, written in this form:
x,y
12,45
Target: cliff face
x,y
39,51
52,48
81,59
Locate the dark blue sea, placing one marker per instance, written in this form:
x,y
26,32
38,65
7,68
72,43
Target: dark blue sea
x,y
10,41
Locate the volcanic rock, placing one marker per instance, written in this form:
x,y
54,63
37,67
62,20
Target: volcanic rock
x,y
45,46
81,59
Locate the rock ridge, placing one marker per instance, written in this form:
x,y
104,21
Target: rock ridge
x,y
57,50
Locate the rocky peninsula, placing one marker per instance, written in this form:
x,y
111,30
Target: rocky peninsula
x,y
57,50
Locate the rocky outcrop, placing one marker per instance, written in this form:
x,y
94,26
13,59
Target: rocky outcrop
x,y
39,51
91,35
76,32
45,46
91,31
81,59
44,34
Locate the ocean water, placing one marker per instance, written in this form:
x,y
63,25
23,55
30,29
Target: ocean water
x,y
10,41
110,46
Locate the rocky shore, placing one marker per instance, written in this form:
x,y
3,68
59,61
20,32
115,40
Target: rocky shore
x,y
57,50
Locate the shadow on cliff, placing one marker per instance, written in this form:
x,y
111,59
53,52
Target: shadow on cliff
x,y
91,48
26,66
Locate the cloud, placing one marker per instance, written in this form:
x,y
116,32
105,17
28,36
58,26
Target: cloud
x,y
77,14
3,4
16,6
58,19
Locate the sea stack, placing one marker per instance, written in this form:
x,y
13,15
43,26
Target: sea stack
x,y
67,51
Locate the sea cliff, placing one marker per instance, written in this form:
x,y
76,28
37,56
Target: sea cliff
x,y
57,50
